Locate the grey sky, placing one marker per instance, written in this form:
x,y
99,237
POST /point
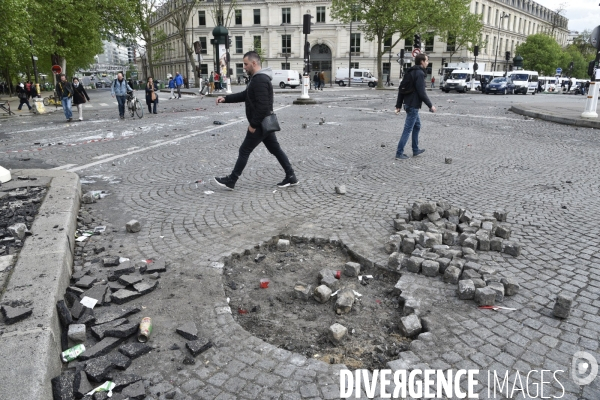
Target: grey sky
x,y
582,14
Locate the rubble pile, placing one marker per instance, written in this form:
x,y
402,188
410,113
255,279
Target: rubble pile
x,y
437,239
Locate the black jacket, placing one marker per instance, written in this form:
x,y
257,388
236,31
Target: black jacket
x,y
149,91
64,87
258,97
79,94
419,96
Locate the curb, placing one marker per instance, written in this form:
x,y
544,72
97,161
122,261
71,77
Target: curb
x,y
40,278
560,120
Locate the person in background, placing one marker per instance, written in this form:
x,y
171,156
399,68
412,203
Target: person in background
x,y
79,97
322,79
178,83
151,96
22,95
64,89
119,89
433,82
211,82
172,87
316,80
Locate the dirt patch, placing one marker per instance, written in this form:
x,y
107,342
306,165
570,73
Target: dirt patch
x,y
277,316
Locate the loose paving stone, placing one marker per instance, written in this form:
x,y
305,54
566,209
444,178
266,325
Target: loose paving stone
x,y
87,317
133,226
76,333
501,215
88,198
430,239
123,296
331,282
283,245
393,244
199,346
322,294
122,331
470,243
413,264
470,274
98,369
466,289
471,265
411,306
511,248
410,325
499,289
344,302
188,330
395,260
485,296
511,286
156,266
62,386
97,292
113,286
337,332
86,282
99,330
112,261
302,290
128,280
443,263
123,380
451,274
108,314
18,230
64,315
134,350
479,283
562,307
145,287
15,314
120,361
430,268
503,231
101,348
126,267
135,391
352,269
496,244
408,245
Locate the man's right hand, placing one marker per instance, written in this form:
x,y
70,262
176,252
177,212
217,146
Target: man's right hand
x,y
220,99
432,109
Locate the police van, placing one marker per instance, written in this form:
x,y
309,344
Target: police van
x,y
359,76
524,81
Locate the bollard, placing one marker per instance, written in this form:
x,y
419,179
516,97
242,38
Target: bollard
x,y
228,83
592,102
305,87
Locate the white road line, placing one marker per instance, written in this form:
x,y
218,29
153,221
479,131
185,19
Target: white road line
x,y
365,109
65,166
102,156
103,104
173,141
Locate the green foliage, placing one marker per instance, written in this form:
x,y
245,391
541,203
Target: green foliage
x,y
257,47
583,45
572,54
464,33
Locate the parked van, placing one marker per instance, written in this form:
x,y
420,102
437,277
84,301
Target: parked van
x,y
285,78
359,76
524,81
461,80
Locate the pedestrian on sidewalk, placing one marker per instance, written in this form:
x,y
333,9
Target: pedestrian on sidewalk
x,y
316,80
119,89
433,82
172,87
178,83
22,95
211,82
222,82
79,97
28,89
258,97
413,100
322,79
64,89
151,96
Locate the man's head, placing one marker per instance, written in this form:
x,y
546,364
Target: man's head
x,y
63,78
252,62
176,73
120,76
422,60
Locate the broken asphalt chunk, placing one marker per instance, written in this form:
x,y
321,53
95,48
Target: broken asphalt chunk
x,y
198,346
15,314
134,350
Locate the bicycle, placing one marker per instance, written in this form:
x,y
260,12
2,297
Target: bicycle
x,y
134,105
388,83
53,99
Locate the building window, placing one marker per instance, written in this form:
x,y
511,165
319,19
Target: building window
x,y
497,16
286,15
285,66
387,45
286,44
239,69
256,16
321,14
451,44
407,46
202,18
204,46
257,43
476,8
238,17
355,43
429,44
204,69
489,15
483,13
487,39
239,44
386,68
353,65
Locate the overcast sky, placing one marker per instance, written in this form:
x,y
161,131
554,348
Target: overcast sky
x,y
582,14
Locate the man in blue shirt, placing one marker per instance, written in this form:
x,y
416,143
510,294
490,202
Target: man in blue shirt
x,y
178,83
119,90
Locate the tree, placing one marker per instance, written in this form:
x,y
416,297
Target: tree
x,y
16,23
572,55
179,17
222,11
144,11
464,34
382,19
257,47
540,53
583,45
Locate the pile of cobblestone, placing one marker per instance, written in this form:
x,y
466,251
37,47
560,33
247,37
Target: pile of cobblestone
x,y
437,239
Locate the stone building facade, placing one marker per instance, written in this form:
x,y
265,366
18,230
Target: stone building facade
x,y
276,27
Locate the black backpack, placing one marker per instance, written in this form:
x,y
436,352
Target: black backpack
x,y
407,85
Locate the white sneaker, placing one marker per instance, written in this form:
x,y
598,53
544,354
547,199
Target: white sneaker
x,y
81,119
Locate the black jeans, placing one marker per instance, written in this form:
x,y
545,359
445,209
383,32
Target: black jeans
x,y
254,139
155,102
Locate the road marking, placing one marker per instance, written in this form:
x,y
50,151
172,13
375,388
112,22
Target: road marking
x,y
65,166
103,104
102,156
172,141
366,109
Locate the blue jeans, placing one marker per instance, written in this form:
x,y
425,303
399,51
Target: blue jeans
x,y
121,100
412,124
66,103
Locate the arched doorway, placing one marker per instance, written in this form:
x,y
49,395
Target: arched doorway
x,y
320,60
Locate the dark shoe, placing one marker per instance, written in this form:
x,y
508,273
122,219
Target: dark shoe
x,y
70,119
225,182
288,181
402,157
416,153
155,113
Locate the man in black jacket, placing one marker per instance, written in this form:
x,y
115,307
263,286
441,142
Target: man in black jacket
x,y
64,89
258,97
412,103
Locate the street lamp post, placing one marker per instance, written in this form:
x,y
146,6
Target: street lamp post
x,y
286,54
503,15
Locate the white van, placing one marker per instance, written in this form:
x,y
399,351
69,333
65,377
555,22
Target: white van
x,y
524,81
461,80
359,76
285,78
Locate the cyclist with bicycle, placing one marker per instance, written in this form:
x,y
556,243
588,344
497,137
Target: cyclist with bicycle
x,y
120,89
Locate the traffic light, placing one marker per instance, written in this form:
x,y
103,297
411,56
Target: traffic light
x,y
476,51
401,56
306,24
443,62
507,56
417,43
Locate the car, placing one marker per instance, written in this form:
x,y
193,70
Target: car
x,y
497,85
99,85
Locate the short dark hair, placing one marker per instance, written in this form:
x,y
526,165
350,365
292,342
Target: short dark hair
x,y
420,58
253,56
61,75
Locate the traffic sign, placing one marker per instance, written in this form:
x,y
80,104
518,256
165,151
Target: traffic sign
x,y
56,69
416,52
595,38
558,71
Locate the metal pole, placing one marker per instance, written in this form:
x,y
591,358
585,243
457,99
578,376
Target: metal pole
x,y
350,52
389,66
498,38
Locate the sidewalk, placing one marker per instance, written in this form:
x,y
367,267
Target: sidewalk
x,y
568,114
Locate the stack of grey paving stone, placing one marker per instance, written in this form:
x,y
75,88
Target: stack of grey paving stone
x,y
437,239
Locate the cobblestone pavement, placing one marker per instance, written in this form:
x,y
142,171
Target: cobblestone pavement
x,y
545,175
